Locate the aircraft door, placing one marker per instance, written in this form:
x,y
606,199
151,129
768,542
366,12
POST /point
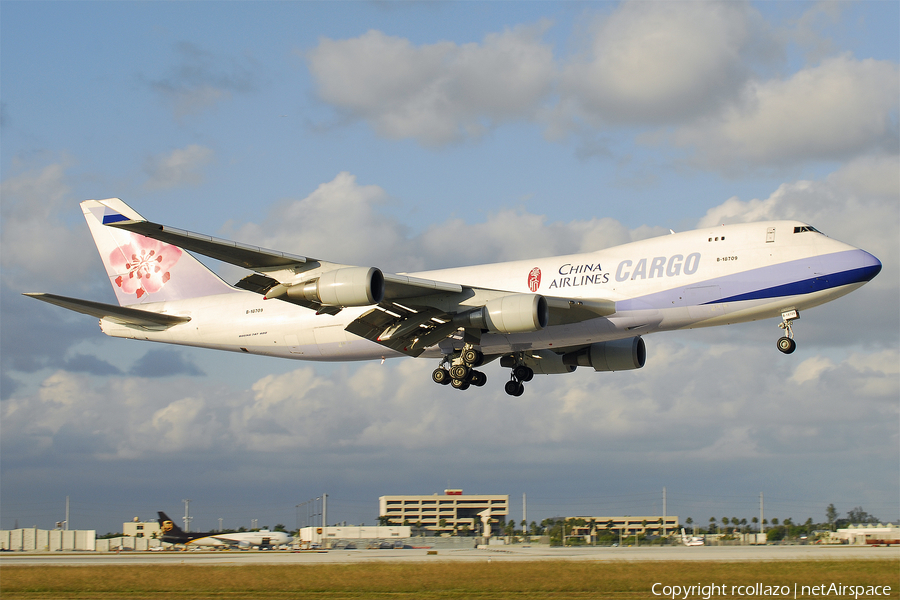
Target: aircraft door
x,y
302,343
770,235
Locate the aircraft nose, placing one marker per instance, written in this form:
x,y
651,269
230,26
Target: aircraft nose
x,y
869,266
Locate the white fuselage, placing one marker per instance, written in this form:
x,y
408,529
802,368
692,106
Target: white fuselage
x,y
243,539
715,276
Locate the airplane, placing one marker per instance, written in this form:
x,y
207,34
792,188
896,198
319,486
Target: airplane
x,y
690,540
546,315
173,534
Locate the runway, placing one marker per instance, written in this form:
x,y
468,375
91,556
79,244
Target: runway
x,y
500,554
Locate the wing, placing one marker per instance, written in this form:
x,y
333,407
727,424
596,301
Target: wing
x,y
120,314
409,313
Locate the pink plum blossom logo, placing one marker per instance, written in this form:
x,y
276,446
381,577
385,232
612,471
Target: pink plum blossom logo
x,y
146,262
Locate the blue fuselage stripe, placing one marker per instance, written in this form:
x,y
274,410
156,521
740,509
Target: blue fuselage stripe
x,y
790,278
808,286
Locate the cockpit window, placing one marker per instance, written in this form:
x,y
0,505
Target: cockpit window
x,y
805,228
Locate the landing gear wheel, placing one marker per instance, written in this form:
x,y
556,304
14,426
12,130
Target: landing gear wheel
x,y
460,372
441,376
523,373
786,345
460,384
477,378
472,357
514,388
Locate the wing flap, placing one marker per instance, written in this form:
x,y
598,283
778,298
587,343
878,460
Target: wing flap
x,y
404,329
120,314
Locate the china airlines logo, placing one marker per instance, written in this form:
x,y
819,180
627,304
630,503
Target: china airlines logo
x,y
534,279
146,263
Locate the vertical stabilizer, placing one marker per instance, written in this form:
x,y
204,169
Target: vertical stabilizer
x,y
143,270
167,525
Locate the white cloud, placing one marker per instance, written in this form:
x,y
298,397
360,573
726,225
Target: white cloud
x,y
837,110
341,221
372,408
180,167
663,62
701,68
38,247
436,93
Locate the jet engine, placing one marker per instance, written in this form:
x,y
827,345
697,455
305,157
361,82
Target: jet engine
x,y
617,355
350,286
516,313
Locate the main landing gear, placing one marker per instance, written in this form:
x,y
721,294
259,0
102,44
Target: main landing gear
x,y
461,372
519,375
786,343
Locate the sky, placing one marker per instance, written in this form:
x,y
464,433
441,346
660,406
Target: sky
x,y
423,135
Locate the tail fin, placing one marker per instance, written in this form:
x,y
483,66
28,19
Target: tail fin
x,y
141,269
167,525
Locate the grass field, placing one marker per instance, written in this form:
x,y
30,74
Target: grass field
x,y
443,580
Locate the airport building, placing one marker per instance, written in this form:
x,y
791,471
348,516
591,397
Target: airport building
x,y
626,526
327,537
32,539
868,533
141,529
453,512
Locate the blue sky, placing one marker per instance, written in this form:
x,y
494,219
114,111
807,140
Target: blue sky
x,y
425,135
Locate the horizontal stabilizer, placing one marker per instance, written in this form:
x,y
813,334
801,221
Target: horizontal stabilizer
x,y
120,314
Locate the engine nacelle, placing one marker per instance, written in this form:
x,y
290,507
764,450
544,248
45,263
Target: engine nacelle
x,y
545,362
516,313
617,355
350,286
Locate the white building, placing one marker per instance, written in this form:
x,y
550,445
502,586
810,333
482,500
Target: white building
x,y
869,533
327,536
47,540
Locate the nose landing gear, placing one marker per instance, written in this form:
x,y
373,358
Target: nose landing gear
x,y
786,343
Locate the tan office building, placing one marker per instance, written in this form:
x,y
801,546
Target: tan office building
x,y
448,513
641,525
141,529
